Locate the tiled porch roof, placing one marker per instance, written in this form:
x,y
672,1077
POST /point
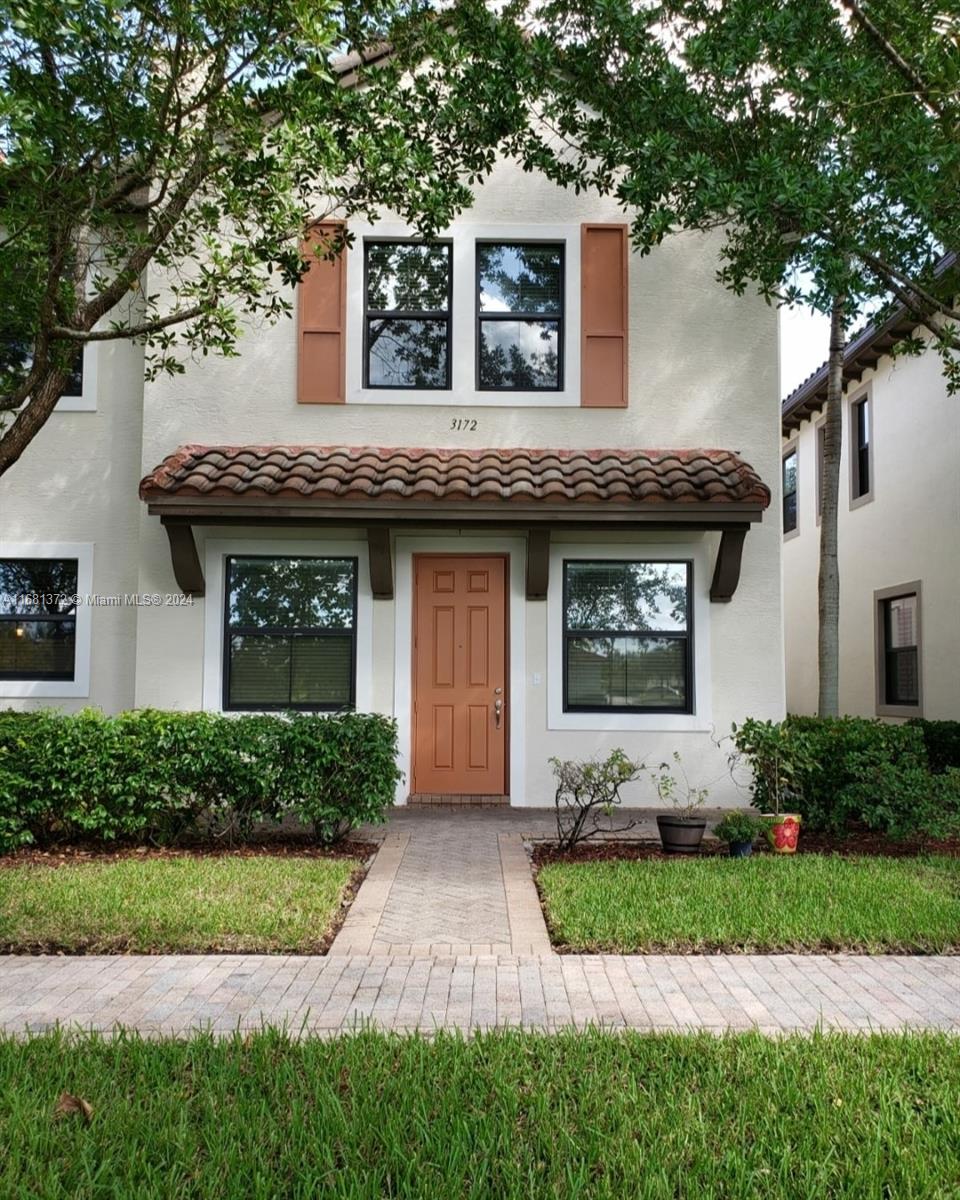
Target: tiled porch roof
x,y
398,475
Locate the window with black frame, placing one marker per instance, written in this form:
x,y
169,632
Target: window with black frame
x,y
520,306
789,468
290,633
38,618
860,459
627,636
16,359
901,637
407,291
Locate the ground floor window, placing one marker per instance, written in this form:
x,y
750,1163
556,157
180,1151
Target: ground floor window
x,y
38,618
898,649
290,633
627,636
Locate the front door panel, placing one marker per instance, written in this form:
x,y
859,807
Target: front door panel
x,y
459,675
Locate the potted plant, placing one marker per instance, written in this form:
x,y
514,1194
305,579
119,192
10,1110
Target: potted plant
x,y
739,830
780,758
681,831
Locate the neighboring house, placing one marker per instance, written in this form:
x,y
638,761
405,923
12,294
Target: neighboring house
x,y
898,533
497,486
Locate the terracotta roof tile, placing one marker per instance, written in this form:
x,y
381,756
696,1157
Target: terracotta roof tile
x,y
427,475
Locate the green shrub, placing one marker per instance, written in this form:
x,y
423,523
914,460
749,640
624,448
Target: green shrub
x,y
942,740
851,756
847,769
737,827
157,776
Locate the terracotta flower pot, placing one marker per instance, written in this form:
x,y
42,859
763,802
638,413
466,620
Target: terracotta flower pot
x,y
782,832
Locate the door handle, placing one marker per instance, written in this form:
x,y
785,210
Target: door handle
x,y
497,710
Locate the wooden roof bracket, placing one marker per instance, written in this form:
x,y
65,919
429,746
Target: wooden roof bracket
x,y
188,570
538,563
183,555
380,553
726,572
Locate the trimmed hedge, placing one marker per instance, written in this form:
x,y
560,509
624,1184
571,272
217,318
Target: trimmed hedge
x,y
151,776
942,740
854,769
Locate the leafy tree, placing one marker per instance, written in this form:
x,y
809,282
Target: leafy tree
x,y
820,139
160,162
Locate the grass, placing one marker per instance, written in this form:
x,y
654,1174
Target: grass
x,y
764,903
181,904
502,1116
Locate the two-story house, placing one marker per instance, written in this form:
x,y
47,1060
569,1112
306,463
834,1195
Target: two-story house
x,y
898,533
509,486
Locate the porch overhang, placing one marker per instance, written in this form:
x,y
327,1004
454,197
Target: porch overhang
x,y
535,491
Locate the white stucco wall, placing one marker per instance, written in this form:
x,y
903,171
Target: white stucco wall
x,y
909,531
703,372
77,483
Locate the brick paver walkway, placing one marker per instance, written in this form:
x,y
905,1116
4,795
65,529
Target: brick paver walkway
x,y
775,993
447,932
450,882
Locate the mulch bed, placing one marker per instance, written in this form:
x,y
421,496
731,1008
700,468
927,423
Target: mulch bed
x,y
287,845
854,842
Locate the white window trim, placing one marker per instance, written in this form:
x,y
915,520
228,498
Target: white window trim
x,y
59,689
87,401
464,236
405,549
695,550
215,554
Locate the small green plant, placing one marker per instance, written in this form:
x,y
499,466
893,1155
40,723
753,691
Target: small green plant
x,y
738,827
588,790
675,789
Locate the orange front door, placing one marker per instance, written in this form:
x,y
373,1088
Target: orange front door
x,y
459,675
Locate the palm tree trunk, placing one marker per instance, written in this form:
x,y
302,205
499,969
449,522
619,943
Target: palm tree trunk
x,y
828,587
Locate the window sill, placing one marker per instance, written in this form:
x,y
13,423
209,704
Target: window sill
x,y
899,710
43,689
630,722
464,399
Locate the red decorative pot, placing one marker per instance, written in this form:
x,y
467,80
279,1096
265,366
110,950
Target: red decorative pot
x,y
782,832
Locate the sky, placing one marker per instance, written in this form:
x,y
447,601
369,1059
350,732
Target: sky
x,y
804,342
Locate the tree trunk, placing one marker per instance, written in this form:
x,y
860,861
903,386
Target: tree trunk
x,y
32,417
828,588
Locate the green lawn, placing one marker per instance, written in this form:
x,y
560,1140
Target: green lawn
x,y
503,1116
181,904
809,902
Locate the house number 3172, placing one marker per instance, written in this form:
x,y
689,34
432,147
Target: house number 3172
x,y
464,423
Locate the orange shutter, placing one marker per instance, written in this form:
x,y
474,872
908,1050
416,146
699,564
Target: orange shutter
x,y
604,252
323,327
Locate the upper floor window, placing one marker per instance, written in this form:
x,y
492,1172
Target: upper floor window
x,y
290,633
627,644
407,301
860,458
790,460
38,618
16,359
520,314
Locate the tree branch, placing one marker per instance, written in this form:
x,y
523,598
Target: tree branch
x,y
64,334
893,55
